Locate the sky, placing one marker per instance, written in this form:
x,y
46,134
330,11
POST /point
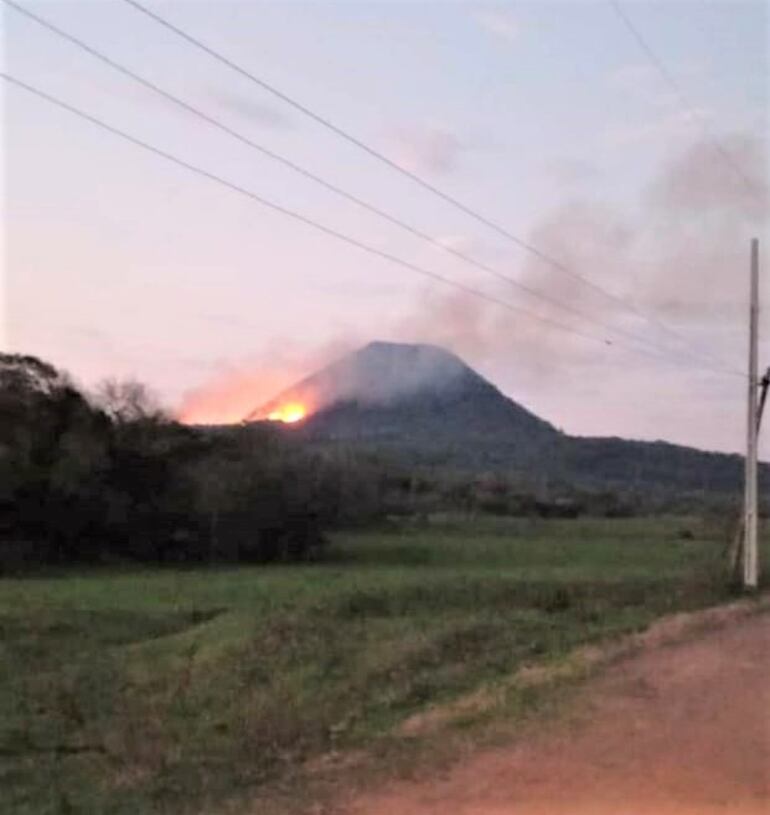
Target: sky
x,y
545,117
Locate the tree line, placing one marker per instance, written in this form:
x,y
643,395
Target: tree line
x,y
110,477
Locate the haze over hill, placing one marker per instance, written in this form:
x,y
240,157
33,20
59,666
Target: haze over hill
x,y
425,406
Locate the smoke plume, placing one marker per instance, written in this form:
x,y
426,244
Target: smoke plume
x,y
681,254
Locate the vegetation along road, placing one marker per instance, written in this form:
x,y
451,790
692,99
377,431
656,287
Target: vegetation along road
x,y
253,688
678,729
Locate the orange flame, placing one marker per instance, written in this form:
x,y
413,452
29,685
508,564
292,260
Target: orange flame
x,y
289,413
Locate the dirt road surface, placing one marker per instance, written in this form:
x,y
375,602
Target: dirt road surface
x,y
681,729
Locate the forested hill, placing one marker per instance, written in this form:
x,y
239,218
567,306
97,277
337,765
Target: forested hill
x,y
424,406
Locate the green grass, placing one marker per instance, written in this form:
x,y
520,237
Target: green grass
x,y
176,691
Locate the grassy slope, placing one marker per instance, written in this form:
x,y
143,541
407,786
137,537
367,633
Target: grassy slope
x,y
163,691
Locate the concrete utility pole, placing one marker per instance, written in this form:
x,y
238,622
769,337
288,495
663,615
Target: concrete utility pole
x,y
750,545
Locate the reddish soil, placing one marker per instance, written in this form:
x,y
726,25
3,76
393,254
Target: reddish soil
x,y
680,729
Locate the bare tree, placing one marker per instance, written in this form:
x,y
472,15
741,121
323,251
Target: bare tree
x,y
128,401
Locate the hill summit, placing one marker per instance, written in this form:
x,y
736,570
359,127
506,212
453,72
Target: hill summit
x,y
388,388
379,373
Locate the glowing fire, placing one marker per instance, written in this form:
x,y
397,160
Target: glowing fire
x,y
289,413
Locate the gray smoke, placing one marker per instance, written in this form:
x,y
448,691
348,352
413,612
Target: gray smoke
x,y
682,255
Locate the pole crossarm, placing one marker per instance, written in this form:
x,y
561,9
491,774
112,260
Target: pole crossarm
x,y
763,387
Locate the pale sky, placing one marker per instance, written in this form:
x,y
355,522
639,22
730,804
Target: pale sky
x,y
544,116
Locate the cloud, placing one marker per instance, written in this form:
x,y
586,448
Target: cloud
x,y
259,112
457,242
641,80
645,81
702,211
727,177
572,172
633,76
431,150
678,125
500,23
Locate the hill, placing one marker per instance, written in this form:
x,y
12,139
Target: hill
x,y
425,406
416,399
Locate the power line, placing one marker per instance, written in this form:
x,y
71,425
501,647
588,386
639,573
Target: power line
x,y
371,151
217,123
372,250
554,324
668,77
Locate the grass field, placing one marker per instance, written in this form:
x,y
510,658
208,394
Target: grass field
x,y
178,691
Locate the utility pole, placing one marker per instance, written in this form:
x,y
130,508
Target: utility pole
x,y
750,547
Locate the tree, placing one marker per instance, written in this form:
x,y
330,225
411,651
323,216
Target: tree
x,y
128,401
53,449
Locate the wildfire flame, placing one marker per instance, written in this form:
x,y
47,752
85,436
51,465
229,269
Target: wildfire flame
x,y
289,413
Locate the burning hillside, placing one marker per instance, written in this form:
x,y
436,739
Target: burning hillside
x,y
395,388
288,413
379,374
424,406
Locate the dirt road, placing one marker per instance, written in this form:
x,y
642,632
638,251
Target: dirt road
x,y
676,730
